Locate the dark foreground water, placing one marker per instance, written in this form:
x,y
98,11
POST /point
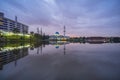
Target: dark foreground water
x,y
61,61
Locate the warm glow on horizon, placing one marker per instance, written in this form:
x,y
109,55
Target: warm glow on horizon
x,y
72,35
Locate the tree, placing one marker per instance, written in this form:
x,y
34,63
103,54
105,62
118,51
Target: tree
x,y
16,30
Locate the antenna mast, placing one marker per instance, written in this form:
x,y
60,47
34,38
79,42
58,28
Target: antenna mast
x,y
64,31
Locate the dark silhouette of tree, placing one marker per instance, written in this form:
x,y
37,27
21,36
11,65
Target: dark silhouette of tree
x,y
32,33
16,30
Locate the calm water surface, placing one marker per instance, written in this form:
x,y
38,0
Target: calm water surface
x,y
73,61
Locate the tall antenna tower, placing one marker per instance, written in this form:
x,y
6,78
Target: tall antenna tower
x,y
64,31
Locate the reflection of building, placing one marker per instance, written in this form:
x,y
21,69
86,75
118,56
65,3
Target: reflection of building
x,y
11,25
14,55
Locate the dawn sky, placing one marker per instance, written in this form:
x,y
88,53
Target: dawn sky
x,y
81,17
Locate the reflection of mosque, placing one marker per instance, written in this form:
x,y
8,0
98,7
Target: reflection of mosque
x,y
13,55
57,44
64,49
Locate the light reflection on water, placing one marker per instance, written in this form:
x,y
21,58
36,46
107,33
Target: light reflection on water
x,y
61,61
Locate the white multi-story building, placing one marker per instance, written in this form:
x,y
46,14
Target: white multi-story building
x,y
10,25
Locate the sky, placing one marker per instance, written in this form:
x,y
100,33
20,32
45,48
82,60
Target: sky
x,y
81,17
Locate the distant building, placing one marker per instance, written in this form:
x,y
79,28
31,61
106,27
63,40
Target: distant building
x,y
97,39
10,25
58,37
52,37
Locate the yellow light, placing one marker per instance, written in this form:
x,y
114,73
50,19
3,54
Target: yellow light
x,y
10,33
1,18
1,23
20,34
12,48
27,35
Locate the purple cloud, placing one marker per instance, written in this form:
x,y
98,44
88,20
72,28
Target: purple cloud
x,y
82,17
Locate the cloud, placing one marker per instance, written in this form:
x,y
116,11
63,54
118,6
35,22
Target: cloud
x,y
78,15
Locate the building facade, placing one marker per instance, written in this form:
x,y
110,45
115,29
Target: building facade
x,y
12,25
59,37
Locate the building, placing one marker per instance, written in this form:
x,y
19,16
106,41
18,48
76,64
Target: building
x,y
59,37
12,25
97,39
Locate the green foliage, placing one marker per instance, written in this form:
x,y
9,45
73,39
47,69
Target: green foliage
x,y
16,30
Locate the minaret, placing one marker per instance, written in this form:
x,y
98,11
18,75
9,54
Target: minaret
x,y
64,31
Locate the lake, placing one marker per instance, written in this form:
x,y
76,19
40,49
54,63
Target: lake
x,y
60,61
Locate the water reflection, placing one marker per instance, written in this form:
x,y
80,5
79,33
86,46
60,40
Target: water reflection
x,y
60,60
13,52
10,54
